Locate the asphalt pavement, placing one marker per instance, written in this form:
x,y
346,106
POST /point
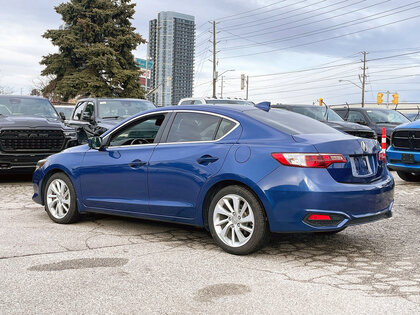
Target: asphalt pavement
x,y
107,264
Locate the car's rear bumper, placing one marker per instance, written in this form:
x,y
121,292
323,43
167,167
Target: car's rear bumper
x,y
394,160
313,191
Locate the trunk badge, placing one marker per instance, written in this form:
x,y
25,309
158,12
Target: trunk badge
x,y
364,146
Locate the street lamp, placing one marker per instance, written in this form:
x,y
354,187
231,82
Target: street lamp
x,y
350,82
363,90
221,86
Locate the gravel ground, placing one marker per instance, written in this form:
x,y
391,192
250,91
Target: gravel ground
x,y
107,264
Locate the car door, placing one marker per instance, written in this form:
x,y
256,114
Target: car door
x,y
193,150
78,122
115,178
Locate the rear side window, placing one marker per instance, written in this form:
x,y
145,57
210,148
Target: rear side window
x,y
188,127
225,126
289,122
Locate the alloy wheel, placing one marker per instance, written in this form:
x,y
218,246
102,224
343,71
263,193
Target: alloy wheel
x,y
58,198
233,220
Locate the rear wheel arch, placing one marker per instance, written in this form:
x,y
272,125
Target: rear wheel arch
x,y
212,191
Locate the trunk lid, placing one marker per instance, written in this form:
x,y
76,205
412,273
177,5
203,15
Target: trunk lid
x,y
362,164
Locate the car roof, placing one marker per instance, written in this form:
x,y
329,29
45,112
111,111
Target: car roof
x,y
111,98
23,96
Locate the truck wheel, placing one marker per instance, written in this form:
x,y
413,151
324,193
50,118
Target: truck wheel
x,y
409,177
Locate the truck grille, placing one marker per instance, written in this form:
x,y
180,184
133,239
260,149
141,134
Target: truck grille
x,y
31,140
406,139
362,134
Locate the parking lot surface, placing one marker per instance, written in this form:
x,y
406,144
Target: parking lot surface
x,y
107,264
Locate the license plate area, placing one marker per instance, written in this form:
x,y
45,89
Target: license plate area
x,y
360,166
407,158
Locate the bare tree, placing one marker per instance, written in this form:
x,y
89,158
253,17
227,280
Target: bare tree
x,y
43,86
4,90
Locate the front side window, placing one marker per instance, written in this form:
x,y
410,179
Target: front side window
x,y
141,131
77,115
88,113
188,127
356,117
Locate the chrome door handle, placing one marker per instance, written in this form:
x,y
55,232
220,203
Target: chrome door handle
x,y
207,159
136,163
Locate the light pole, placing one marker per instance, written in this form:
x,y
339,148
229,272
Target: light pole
x,y
221,75
363,90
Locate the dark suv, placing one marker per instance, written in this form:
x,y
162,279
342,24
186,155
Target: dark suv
x,y
30,130
375,118
93,116
329,117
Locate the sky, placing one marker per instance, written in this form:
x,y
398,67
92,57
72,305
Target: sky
x,y
294,51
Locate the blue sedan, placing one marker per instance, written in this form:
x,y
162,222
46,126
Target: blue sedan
x,y
239,171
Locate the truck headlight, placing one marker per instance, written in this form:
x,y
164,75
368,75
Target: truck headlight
x,y
70,134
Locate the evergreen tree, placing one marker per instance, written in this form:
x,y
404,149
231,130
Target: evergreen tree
x,y
95,50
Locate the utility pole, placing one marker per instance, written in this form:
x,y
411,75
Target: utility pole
x,y
214,60
221,88
363,78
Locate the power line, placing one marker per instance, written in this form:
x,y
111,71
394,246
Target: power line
x,y
335,27
275,29
253,10
322,40
242,25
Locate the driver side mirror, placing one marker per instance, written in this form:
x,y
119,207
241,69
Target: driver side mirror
x,y
95,143
87,116
62,116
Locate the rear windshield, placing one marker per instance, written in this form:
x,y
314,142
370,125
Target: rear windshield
x,y
289,122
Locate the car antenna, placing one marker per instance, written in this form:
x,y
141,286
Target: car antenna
x,y
348,110
326,110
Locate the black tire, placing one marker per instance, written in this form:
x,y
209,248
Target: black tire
x,y
72,215
260,234
409,177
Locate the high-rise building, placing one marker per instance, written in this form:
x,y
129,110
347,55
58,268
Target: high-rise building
x,y
171,49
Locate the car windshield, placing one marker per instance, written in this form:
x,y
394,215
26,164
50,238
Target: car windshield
x,y
386,116
236,102
289,122
318,113
122,108
21,106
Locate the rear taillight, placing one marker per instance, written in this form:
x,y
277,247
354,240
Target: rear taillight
x,y
316,160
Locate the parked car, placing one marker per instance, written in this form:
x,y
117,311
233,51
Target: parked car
x,y
403,155
375,118
238,170
65,111
30,130
213,101
331,118
93,116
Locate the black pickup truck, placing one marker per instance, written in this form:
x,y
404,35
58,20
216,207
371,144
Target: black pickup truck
x,y
30,130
